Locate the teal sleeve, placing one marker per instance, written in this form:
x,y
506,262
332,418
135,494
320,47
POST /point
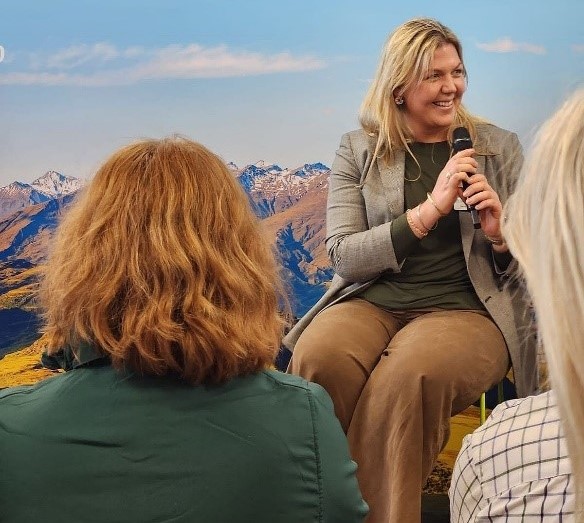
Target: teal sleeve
x,y
402,237
341,498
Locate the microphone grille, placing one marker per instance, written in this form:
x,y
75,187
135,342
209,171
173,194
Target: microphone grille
x,y
460,133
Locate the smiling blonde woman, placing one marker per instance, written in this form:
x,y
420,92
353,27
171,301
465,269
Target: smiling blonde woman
x,y
419,319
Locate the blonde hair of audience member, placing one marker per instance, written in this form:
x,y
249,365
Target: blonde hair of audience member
x,y
163,266
545,220
405,62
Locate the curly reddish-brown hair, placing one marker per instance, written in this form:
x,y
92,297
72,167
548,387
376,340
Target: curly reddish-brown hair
x,y
163,266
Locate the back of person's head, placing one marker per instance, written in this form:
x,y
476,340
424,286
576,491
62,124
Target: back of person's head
x,y
404,63
544,224
162,265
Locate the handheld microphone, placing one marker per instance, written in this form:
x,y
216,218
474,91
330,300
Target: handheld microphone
x,y
460,142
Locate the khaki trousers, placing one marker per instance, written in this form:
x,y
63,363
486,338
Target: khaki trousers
x,y
396,378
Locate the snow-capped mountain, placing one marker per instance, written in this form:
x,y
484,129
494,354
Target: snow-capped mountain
x,y
310,169
291,201
19,195
55,184
272,189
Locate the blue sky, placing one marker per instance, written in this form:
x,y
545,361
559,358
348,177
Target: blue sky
x,y
278,81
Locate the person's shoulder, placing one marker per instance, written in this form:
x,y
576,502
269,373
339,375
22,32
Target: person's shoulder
x,y
285,380
493,138
513,424
521,444
291,382
359,138
25,394
545,401
528,412
12,393
490,129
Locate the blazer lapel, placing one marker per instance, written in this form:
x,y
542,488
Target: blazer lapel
x,y
392,178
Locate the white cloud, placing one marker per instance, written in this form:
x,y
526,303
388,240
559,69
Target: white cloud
x,y
507,45
195,61
133,52
78,55
136,64
578,48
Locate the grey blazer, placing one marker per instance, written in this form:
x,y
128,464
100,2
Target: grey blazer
x,y
366,194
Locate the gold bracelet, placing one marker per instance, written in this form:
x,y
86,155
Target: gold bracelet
x,y
431,200
419,214
496,241
417,231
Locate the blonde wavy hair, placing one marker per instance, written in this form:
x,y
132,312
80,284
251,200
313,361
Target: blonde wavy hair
x,y
162,265
545,220
405,61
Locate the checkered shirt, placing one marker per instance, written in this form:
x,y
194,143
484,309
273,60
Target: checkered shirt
x,y
515,467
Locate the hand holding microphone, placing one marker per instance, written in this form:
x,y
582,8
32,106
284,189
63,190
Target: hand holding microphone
x,y
461,141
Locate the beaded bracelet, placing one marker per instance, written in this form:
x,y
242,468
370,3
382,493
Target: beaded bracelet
x,y
417,231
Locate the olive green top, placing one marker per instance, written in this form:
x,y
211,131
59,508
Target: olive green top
x,y
97,445
434,273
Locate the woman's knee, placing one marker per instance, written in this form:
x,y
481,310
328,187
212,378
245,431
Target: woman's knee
x,y
335,367
311,355
325,360
345,338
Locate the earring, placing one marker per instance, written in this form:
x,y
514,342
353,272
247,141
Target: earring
x,y
399,100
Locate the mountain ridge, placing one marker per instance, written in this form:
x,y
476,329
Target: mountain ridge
x,y
19,195
290,202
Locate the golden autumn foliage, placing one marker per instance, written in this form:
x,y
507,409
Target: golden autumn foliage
x,y
23,367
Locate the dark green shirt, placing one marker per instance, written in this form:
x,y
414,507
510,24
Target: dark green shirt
x,y
95,445
434,273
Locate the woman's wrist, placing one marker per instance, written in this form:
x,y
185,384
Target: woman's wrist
x,y
430,212
422,219
428,221
419,230
440,212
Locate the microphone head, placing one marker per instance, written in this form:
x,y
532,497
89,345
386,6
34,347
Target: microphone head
x,y
461,139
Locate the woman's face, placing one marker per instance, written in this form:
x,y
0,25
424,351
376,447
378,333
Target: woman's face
x,y
430,106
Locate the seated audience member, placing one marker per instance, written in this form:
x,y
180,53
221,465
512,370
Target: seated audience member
x,y
161,303
518,466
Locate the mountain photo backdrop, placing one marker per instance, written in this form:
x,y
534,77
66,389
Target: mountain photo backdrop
x,y
290,202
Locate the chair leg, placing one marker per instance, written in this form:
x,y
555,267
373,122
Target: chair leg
x,y
483,402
